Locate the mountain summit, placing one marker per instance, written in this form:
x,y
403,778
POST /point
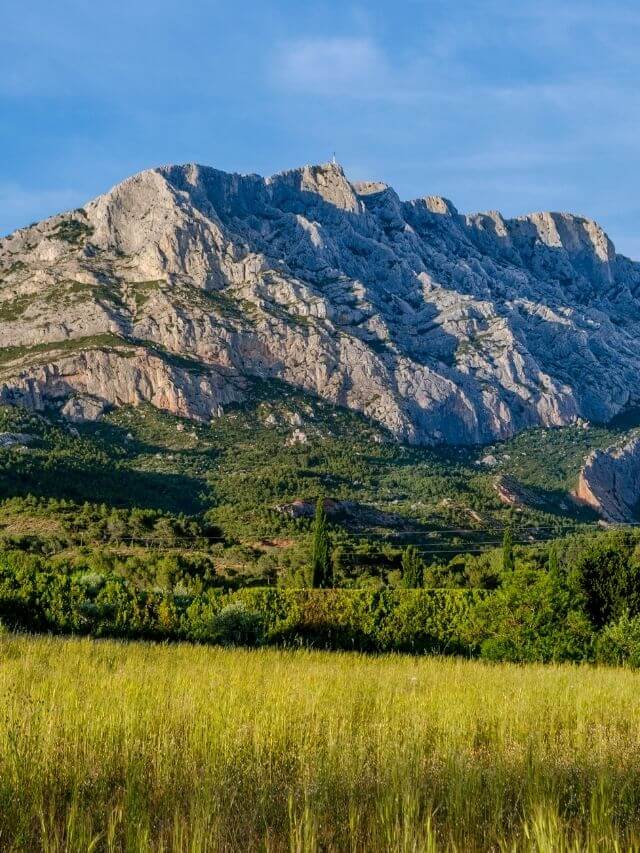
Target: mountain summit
x,y
184,284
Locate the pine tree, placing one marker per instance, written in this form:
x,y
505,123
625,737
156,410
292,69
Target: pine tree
x,y
508,562
320,561
412,568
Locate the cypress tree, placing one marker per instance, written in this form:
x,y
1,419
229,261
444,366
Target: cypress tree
x,y
412,568
508,562
553,560
320,561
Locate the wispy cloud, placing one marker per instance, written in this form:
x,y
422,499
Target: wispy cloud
x,y
352,67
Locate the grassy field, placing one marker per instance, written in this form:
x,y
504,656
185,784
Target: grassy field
x,y
106,746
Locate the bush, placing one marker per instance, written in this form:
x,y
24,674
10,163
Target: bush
x,y
619,642
433,620
532,617
327,619
236,625
536,615
37,597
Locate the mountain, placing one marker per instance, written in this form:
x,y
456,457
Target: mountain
x,y
184,285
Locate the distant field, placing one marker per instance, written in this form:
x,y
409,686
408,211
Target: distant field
x,y
108,746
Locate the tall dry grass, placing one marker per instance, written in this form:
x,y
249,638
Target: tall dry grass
x,y
108,746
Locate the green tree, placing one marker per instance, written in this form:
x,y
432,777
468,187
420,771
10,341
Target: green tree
x,y
320,558
533,616
553,560
412,568
508,561
337,565
607,574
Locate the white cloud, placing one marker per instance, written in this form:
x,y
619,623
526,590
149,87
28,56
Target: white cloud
x,y
330,66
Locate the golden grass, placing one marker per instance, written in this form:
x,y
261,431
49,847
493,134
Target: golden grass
x,y
109,746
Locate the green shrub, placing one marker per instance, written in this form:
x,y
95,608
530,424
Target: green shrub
x,y
533,616
328,619
426,620
619,642
236,625
73,231
37,597
412,568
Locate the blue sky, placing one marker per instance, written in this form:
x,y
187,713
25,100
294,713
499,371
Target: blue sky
x,y
514,106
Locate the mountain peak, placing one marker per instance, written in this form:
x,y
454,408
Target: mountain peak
x,y
184,283
326,180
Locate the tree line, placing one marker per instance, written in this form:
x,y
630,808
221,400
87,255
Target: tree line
x,y
581,604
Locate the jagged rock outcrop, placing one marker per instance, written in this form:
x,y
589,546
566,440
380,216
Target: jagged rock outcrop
x,y
609,481
183,283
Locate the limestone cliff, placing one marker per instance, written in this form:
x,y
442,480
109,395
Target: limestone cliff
x,y
183,283
609,481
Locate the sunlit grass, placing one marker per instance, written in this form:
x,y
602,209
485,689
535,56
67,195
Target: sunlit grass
x,y
108,746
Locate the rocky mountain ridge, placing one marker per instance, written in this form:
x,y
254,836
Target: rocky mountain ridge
x,y
183,284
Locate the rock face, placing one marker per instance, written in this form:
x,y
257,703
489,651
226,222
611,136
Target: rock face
x,y
609,481
83,408
183,284
513,493
11,439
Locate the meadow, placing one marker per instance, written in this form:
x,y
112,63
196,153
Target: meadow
x,y
113,746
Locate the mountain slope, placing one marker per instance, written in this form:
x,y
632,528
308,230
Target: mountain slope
x,y
183,282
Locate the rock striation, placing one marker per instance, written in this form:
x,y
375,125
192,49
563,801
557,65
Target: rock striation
x,y
184,284
609,481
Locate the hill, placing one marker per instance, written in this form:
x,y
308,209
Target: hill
x,y
234,496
